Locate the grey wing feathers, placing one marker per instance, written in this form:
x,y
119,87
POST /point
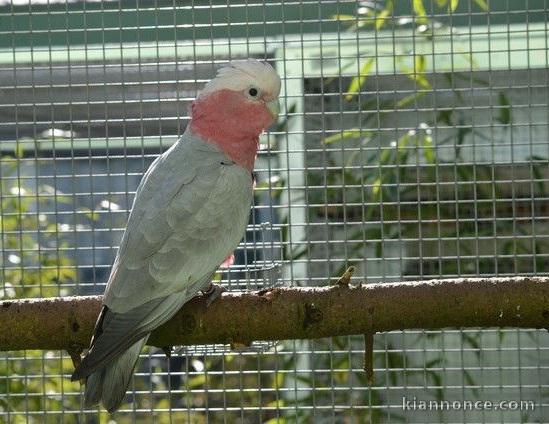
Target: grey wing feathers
x,y
178,232
109,384
116,332
155,246
166,177
189,212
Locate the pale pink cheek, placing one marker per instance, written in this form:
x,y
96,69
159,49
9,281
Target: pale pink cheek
x,y
264,117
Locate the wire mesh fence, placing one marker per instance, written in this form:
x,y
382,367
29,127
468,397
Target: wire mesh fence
x,y
413,144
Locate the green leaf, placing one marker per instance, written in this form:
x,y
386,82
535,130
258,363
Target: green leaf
x,y
433,362
381,18
417,73
91,214
422,82
19,150
445,117
462,133
405,101
473,341
505,110
419,63
276,420
346,134
358,81
376,187
538,172
342,68
282,125
298,253
482,4
277,403
381,15
453,5
471,381
419,10
344,18
428,151
197,381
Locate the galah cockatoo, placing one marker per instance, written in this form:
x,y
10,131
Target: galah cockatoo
x,y
189,213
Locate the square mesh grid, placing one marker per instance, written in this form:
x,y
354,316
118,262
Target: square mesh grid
x,y
413,145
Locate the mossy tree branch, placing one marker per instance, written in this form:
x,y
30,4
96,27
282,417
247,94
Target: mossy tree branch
x,y
295,313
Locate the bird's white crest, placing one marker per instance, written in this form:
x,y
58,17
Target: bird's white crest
x,y
242,74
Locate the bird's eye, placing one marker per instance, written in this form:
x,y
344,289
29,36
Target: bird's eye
x,y
253,92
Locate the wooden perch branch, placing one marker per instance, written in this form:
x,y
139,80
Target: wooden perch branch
x,y
295,313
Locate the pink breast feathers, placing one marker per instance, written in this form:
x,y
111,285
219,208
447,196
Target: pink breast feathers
x,y
231,121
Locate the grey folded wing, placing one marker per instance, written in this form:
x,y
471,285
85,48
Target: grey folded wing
x,y
116,332
189,213
178,230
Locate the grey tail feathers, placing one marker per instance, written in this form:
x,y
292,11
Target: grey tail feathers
x,y
108,384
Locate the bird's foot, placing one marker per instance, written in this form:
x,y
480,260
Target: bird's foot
x,y
213,292
75,353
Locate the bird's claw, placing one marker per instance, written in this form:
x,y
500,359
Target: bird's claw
x,y
75,354
167,351
212,293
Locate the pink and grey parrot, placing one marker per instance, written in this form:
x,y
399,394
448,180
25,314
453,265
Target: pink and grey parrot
x,y
189,213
